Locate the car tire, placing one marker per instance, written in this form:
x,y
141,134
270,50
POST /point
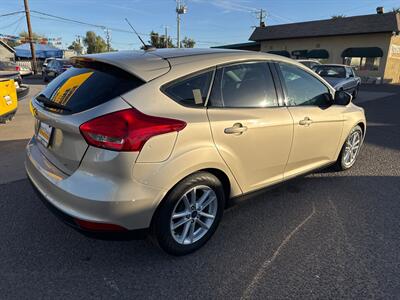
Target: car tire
x,y
180,225
350,150
45,79
355,92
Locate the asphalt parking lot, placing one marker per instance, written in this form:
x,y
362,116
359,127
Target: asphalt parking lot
x,y
326,235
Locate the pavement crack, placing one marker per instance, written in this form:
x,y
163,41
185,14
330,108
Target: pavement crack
x,y
248,292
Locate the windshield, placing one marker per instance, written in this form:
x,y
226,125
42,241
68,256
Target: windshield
x,y
331,71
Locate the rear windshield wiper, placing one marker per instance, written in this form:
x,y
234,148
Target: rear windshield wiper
x,y
49,103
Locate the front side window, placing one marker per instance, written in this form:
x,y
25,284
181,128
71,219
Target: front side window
x,y
190,91
244,85
302,88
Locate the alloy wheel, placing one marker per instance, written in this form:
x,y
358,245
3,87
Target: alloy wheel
x,y
194,214
353,144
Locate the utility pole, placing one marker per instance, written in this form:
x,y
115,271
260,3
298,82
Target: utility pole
x,y
108,39
261,16
166,36
180,10
28,22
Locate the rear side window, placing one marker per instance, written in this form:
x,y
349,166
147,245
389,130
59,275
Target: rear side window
x,y
244,85
190,91
88,85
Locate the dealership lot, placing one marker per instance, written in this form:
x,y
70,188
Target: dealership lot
x,y
321,236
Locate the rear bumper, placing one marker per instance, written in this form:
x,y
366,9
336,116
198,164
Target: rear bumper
x,y
85,196
7,116
70,221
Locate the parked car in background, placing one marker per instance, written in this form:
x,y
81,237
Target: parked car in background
x,y
341,77
163,139
12,66
25,70
310,63
55,67
7,72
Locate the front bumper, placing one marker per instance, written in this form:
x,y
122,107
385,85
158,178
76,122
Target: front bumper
x,y
85,196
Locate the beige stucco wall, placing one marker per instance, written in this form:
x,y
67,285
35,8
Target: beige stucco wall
x,y
392,71
5,54
335,46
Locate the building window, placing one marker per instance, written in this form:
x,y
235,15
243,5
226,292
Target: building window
x,y
363,63
363,58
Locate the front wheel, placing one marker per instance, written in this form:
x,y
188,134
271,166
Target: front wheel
x,y
190,214
355,92
350,150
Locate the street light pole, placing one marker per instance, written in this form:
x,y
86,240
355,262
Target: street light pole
x,y
28,22
178,26
180,10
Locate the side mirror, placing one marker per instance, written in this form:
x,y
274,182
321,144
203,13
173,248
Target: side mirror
x,y
342,98
351,75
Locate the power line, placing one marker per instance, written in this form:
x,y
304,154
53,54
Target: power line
x,y
13,13
11,24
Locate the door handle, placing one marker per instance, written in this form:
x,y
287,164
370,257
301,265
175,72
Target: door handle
x,y
237,128
305,122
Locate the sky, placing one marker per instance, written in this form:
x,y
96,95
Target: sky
x,y
208,22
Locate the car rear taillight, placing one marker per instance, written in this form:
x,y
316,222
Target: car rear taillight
x,y
17,68
126,130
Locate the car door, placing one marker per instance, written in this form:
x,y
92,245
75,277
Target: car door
x,y
317,122
252,133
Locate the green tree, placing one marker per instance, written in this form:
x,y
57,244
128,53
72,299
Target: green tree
x,y
94,43
396,10
338,16
35,36
159,41
77,47
188,42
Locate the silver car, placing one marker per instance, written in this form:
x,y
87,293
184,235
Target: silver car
x,y
341,77
162,139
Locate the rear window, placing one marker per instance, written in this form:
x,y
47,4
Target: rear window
x,y
88,85
191,90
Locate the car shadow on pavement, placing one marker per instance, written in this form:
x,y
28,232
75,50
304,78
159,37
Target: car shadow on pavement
x,y
253,251
12,157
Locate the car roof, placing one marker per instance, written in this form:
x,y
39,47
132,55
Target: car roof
x,y
150,64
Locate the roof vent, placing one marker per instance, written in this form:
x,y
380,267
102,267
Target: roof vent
x,y
379,10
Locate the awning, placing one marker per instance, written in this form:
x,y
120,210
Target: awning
x,y
41,51
281,53
318,53
363,52
300,53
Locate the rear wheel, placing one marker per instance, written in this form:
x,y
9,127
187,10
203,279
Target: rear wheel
x,y
190,214
350,150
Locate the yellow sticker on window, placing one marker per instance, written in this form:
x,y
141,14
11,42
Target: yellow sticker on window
x,y
67,90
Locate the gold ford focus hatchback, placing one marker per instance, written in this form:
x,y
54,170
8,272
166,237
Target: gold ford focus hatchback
x,y
161,140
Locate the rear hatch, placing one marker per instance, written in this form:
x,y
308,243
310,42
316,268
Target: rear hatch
x,y
89,89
